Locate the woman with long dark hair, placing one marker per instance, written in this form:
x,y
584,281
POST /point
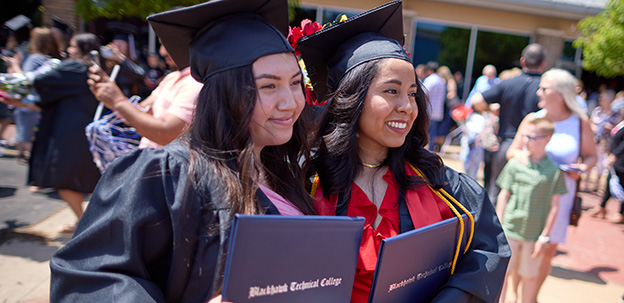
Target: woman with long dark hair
x,y
60,155
157,224
371,160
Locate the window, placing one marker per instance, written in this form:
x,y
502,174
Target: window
x,y
301,13
312,12
449,45
329,15
499,49
569,52
444,44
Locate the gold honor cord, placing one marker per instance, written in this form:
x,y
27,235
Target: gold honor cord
x,y
315,185
457,214
471,218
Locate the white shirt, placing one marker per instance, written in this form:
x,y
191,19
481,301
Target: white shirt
x,y
435,88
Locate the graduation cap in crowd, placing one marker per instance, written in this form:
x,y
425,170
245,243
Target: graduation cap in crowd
x,y
332,52
16,23
62,26
124,32
220,35
121,30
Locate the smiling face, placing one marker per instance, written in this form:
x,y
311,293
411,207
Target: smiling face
x,y
390,107
73,51
279,100
548,96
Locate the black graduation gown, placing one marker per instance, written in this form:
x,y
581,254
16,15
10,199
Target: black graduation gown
x,y
60,155
480,272
143,237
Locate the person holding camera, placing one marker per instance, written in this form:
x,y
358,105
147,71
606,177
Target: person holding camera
x,y
170,106
130,79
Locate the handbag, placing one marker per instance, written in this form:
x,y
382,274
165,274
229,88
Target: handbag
x,y
615,187
575,213
110,137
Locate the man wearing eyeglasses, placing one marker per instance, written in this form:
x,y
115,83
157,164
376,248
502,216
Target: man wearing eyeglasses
x,y
517,97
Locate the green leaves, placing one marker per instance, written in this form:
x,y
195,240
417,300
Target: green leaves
x,y
116,9
602,40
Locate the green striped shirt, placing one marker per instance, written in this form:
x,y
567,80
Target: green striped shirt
x,y
532,187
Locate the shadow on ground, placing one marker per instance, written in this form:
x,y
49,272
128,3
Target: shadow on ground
x,y
590,276
48,192
26,245
7,191
12,224
10,234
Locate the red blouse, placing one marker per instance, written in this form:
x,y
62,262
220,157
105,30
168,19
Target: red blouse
x,y
424,206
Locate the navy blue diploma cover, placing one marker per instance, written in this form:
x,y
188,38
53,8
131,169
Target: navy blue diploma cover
x,y
291,258
412,266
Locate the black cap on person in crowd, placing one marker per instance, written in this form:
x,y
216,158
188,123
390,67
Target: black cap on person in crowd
x,y
16,23
121,30
62,26
220,35
333,51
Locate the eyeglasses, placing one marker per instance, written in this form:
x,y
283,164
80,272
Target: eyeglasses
x,y
533,138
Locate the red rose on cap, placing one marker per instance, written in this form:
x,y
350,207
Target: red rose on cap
x,y
308,27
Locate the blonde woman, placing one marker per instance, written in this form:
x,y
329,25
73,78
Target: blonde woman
x,y
451,85
573,138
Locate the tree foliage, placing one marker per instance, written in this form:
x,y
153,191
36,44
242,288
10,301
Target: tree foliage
x,y
602,40
117,9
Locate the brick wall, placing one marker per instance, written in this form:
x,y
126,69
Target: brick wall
x,y
552,41
63,10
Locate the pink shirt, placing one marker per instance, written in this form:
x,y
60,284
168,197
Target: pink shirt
x,y
176,95
285,207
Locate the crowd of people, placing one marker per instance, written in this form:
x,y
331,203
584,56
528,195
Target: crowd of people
x,y
538,139
50,120
228,132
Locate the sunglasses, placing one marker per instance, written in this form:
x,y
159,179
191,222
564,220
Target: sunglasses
x,y
533,138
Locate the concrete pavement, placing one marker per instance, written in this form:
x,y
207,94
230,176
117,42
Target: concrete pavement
x,y
588,269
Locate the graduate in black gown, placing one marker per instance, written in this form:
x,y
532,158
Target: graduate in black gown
x,y
157,223
60,156
371,159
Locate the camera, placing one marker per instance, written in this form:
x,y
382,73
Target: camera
x,y
106,52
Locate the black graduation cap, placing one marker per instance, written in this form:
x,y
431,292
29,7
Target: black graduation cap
x,y
223,34
17,22
333,51
121,30
62,26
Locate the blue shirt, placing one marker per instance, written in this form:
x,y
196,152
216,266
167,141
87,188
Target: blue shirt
x,y
482,84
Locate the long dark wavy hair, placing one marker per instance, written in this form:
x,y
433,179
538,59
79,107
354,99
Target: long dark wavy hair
x,y
221,150
86,43
336,159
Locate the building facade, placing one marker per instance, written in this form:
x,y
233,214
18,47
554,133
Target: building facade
x,y
64,11
468,34
462,34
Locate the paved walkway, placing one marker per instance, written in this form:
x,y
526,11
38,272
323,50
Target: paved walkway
x,y
588,269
